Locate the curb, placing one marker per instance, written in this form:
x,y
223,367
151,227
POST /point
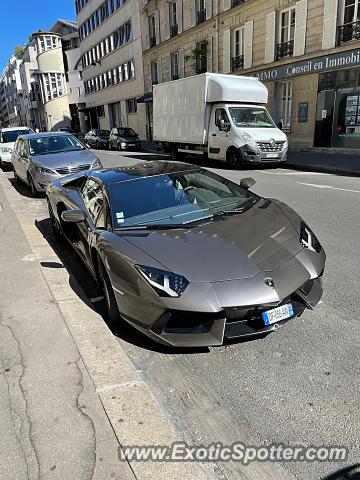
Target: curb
x,y
321,169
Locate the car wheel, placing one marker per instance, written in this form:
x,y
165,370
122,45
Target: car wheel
x,y
34,192
111,305
233,158
55,224
119,146
5,166
96,144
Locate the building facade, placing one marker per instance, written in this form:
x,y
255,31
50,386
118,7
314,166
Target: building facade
x,y
11,114
111,52
307,52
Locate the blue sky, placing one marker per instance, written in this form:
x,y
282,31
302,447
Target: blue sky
x,y
19,18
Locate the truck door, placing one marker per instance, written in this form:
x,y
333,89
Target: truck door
x,y
219,133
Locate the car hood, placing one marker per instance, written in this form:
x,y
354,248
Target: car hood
x,y
129,139
241,246
265,134
65,159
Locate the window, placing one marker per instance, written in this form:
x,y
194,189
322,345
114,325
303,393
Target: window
x,y
173,19
201,57
174,66
237,60
200,11
93,198
220,114
285,45
131,105
154,73
285,97
152,30
351,17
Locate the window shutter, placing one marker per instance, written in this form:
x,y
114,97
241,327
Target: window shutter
x,y
330,23
248,44
181,64
193,13
226,51
300,27
157,27
209,55
179,9
209,12
270,37
226,5
167,21
168,67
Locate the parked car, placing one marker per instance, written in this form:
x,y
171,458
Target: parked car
x,y
186,256
8,138
97,138
124,139
41,158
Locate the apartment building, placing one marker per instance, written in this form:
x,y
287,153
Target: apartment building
x,y
111,56
307,52
10,94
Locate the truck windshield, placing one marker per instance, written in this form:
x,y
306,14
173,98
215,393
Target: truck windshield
x,y
251,117
176,199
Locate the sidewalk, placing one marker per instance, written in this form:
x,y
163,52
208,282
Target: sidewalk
x,y
315,161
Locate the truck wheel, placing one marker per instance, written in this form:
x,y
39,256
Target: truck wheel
x,y
174,153
233,158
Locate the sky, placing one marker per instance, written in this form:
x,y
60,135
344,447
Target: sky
x,y
20,18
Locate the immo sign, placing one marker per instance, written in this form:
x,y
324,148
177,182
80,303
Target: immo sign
x,y
350,58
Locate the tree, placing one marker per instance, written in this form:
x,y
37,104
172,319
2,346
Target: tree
x,y
19,51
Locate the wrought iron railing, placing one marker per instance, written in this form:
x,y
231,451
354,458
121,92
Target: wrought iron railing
x,y
200,66
237,62
348,32
285,49
173,30
201,16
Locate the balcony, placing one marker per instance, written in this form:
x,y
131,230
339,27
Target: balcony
x,y
348,33
235,3
285,49
173,30
152,42
201,16
237,63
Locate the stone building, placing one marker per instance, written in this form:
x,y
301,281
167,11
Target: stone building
x,y
307,52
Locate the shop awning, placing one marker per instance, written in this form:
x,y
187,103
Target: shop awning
x,y
146,98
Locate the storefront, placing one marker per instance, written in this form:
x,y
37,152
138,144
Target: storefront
x,y
317,100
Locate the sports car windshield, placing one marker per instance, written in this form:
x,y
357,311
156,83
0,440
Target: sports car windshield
x,y
251,117
176,199
54,144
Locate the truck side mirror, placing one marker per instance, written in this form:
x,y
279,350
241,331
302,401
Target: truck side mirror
x,y
280,125
247,183
224,126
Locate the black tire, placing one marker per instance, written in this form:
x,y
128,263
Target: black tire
x,y
5,166
110,301
119,146
54,222
233,158
34,192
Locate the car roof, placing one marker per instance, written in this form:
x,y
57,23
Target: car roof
x,y
150,168
44,135
11,129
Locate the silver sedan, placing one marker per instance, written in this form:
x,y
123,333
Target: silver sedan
x,y
41,158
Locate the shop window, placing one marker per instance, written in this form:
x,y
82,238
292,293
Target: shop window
x,y
131,105
285,100
286,29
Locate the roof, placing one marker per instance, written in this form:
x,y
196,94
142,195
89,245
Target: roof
x,y
9,129
234,88
141,170
42,134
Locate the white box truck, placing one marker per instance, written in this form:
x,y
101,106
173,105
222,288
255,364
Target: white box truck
x,y
222,116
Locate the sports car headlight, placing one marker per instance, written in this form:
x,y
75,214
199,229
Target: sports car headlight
x,y
97,164
166,284
308,239
43,170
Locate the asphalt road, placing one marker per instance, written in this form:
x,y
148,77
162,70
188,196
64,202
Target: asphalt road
x,y
299,386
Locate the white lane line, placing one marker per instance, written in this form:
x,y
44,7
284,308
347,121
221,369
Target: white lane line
x,y
329,187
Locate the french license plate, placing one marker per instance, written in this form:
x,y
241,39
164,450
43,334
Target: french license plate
x,y
272,155
278,314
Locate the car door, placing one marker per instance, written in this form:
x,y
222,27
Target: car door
x,y
218,137
93,198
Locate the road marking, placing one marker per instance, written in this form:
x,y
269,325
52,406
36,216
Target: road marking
x,y
329,187
32,257
112,386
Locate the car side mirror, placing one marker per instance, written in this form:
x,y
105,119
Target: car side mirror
x,y
247,183
279,125
73,216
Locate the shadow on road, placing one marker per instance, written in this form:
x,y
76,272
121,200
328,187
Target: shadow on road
x,y
348,473
85,287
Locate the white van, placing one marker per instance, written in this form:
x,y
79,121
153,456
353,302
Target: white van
x,y
8,138
223,116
